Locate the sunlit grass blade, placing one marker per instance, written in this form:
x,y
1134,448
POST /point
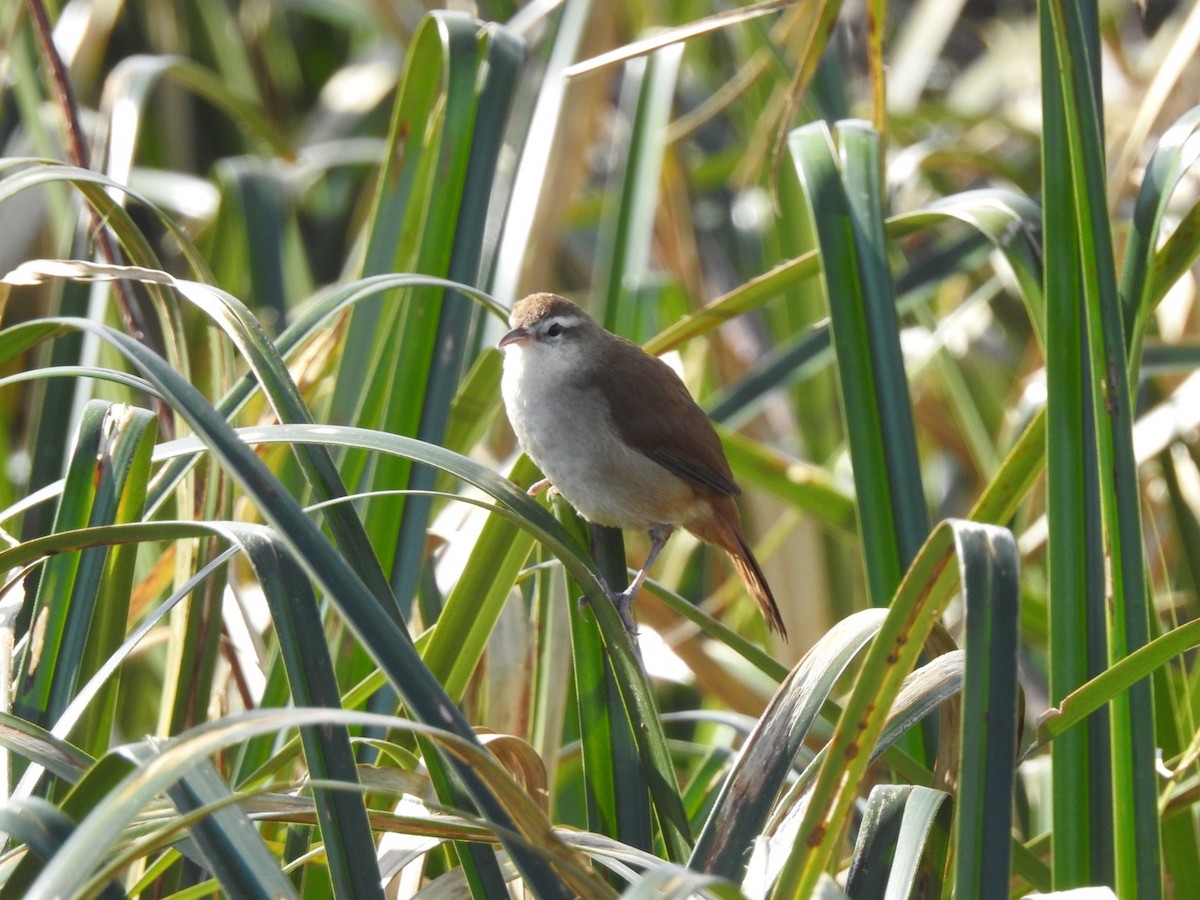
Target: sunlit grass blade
x,y
656,42
412,228
460,322
923,692
861,158
271,373
38,746
457,643
627,222
529,179
124,472
128,788
126,97
345,830
1092,695
348,845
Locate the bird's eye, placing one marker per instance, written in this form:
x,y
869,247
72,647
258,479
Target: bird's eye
x,y
554,330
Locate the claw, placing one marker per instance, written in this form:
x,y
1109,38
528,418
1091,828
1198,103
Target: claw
x,y
623,601
538,486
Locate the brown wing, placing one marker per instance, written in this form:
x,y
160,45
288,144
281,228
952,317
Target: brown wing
x,y
655,414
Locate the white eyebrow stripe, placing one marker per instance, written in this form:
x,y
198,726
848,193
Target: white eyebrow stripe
x,y
564,321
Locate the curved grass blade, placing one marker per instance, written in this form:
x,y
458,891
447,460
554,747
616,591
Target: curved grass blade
x,y
42,828
82,599
1118,677
234,851
1175,154
136,785
636,696
42,748
748,794
529,181
647,45
902,841
82,700
922,693
126,93
991,716
456,644
342,815
389,645
271,373
124,467
621,265
297,620
414,226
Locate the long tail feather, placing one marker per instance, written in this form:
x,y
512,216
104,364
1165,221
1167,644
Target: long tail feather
x,y
756,583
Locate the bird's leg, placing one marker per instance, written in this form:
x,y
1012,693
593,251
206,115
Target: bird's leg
x,y
659,535
538,486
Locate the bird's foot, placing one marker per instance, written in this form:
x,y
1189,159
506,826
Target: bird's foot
x,y
623,601
538,486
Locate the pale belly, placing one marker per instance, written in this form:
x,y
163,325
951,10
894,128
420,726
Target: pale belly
x,y
569,434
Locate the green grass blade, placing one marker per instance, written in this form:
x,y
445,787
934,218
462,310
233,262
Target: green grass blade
x,y
1173,157
349,848
460,321
69,585
901,842
1134,811
1082,812
990,719
1119,677
124,472
862,166
854,273
457,642
126,788
626,229
233,850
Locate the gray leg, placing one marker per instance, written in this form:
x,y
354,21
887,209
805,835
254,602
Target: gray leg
x,y
659,536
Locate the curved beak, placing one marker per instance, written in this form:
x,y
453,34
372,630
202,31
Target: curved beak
x,y
516,336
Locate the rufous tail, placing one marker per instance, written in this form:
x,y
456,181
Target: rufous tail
x,y
756,584
723,530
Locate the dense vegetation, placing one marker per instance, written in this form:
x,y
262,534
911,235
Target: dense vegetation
x,y
278,618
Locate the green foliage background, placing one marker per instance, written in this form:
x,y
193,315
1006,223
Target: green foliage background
x,y
278,618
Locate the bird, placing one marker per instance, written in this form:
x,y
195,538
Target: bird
x,y
616,432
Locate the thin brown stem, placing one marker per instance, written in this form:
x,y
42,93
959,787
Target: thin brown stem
x,y
78,156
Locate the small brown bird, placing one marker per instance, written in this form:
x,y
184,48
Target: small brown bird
x,y
615,430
